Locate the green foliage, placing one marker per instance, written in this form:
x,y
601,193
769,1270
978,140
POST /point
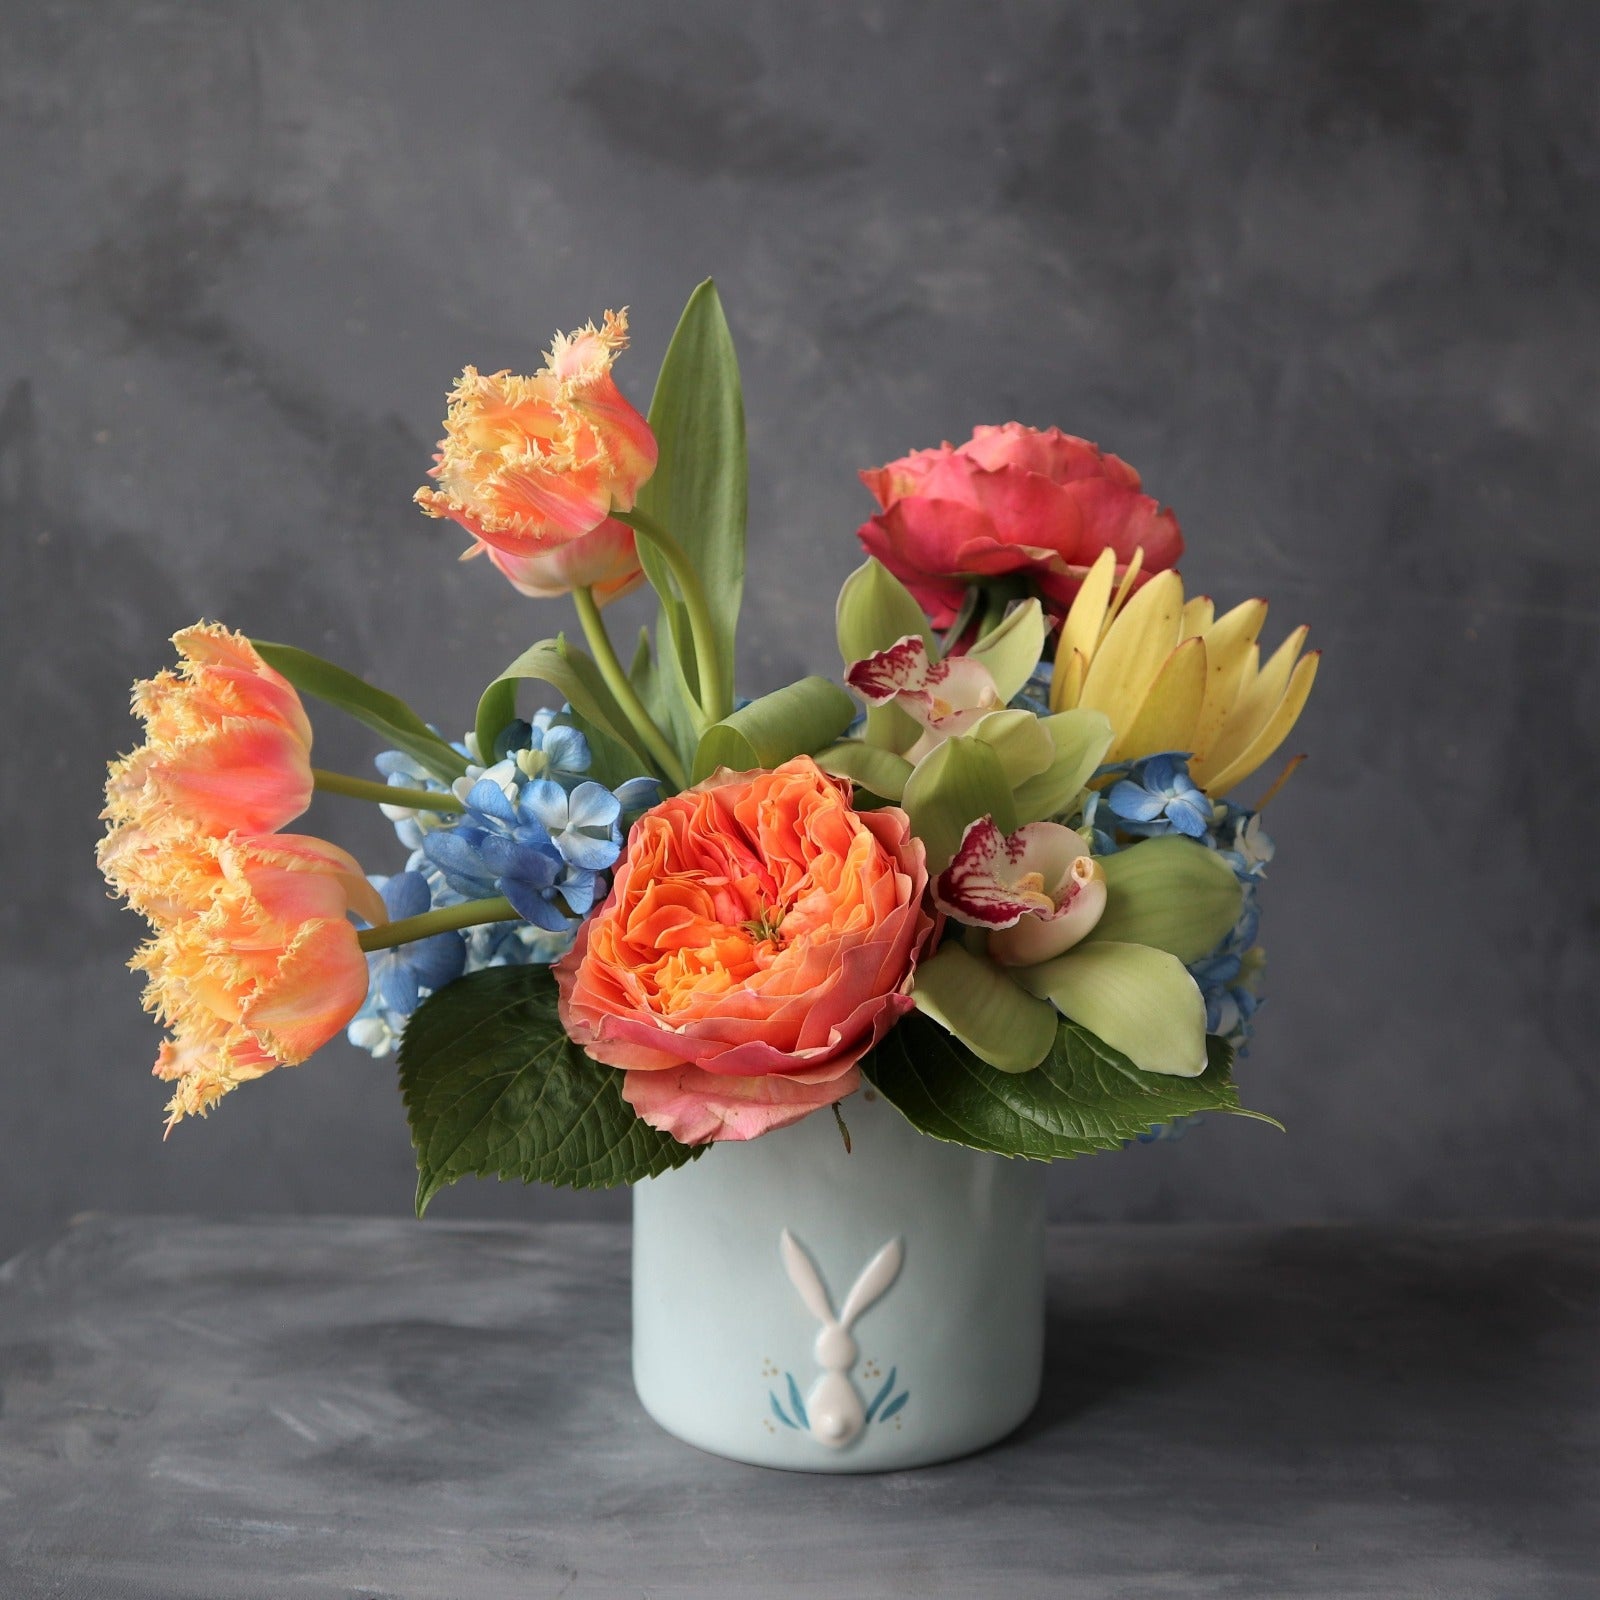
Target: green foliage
x,y
1140,1001
493,1087
698,491
1020,739
880,772
497,710
791,721
983,1007
575,676
1082,1098
383,713
954,784
1170,893
1081,739
665,692
1012,650
876,610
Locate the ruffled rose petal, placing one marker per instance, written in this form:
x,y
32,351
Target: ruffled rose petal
x,y
1011,500
758,929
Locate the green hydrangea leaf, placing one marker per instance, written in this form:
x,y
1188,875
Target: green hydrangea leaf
x,y
493,1087
1083,1097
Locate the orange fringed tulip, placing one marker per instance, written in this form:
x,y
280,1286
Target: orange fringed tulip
x,y
254,963
533,467
227,743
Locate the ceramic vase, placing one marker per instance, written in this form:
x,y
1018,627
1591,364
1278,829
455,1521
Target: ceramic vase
x,y
802,1306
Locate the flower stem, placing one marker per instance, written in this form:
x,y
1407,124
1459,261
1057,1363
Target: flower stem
x,y
442,919
384,793
707,651
623,691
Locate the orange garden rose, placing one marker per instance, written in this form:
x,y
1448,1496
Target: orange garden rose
x,y
759,939
227,742
1011,500
533,467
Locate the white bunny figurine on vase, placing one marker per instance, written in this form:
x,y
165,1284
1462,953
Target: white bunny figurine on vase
x,y
834,1410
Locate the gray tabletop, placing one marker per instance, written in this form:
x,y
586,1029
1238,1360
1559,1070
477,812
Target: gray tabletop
x,y
379,1409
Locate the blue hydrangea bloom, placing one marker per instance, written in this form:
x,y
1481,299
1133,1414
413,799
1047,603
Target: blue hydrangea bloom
x,y
1158,796
536,829
400,978
500,845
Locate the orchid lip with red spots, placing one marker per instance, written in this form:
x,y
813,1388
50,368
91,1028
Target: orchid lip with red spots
x,y
947,697
1038,890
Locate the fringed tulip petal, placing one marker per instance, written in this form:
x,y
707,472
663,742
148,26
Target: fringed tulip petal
x,y
227,743
533,467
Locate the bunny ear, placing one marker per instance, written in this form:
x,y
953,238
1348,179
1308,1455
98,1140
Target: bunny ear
x,y
803,1275
875,1277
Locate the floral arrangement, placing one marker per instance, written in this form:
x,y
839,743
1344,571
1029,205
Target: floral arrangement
x,y
999,874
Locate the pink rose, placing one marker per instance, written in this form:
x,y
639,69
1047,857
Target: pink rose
x,y
1011,500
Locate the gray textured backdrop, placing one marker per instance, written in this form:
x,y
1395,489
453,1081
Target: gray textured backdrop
x,y
1325,273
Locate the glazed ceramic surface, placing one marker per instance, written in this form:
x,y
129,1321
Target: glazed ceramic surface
x,y
798,1306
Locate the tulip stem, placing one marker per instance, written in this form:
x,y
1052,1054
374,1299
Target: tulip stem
x,y
623,691
442,919
707,651
384,793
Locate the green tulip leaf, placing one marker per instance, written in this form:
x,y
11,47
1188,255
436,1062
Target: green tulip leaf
x,y
792,721
666,696
1169,893
1140,1001
575,676
977,1002
1081,739
881,772
957,782
384,713
1083,1097
1012,650
699,489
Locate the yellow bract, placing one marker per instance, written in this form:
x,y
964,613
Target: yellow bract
x,y
1171,675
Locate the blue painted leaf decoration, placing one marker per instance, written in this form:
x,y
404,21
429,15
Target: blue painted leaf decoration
x,y
778,1411
795,1401
883,1394
895,1405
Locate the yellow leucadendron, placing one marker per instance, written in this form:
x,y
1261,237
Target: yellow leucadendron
x,y
1169,675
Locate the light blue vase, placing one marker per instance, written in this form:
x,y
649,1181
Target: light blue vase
x,y
797,1306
